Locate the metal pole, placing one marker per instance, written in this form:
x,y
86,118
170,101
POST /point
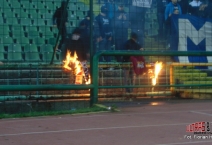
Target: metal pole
x,y
91,52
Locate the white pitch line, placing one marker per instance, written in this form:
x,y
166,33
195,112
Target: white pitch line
x,y
89,129
192,142
88,116
201,113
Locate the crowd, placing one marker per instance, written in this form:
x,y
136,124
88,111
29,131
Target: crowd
x,y
112,23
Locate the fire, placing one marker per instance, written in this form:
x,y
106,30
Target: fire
x,y
73,64
157,69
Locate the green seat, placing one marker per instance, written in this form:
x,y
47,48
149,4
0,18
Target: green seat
x,y
14,48
39,22
50,5
47,34
72,7
30,48
22,41
22,14
46,48
38,4
49,22
33,34
7,41
11,21
2,58
16,33
32,57
4,33
47,56
52,41
1,20
25,4
35,15
42,11
17,27
31,28
25,21
47,16
2,48
10,14
44,29
38,41
14,57
15,5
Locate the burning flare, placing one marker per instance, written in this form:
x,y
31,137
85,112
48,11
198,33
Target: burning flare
x,y
79,68
157,69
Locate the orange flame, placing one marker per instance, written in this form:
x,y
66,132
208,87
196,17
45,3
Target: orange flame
x,y
72,63
157,69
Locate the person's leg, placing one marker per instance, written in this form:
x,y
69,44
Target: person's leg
x,y
107,47
63,38
100,47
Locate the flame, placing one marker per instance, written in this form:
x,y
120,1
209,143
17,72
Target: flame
x,y
73,64
157,69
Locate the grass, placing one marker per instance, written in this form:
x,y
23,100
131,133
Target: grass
x,y
95,108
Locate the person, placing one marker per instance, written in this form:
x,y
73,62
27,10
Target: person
x,y
184,4
60,19
111,9
173,8
205,9
121,29
137,21
161,6
84,27
193,8
75,44
103,32
137,61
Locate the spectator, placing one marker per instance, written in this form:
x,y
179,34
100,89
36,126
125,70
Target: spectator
x,y
85,31
161,6
103,32
184,6
112,8
131,44
75,44
193,8
137,21
173,8
60,18
205,9
121,29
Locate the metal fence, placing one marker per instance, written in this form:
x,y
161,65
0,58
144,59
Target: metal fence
x,y
33,77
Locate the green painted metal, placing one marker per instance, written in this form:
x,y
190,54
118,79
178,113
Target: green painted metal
x,y
44,87
95,70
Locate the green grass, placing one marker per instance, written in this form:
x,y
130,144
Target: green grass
x,y
95,108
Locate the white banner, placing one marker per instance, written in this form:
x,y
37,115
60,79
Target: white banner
x,y
142,3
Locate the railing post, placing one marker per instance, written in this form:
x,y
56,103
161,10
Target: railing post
x,y
94,80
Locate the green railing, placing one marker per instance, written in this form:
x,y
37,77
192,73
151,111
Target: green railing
x,y
94,75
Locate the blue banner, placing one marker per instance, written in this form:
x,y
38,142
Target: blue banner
x,y
190,33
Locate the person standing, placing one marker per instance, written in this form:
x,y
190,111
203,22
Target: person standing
x,y
121,29
104,32
60,19
173,8
161,6
193,8
75,44
138,62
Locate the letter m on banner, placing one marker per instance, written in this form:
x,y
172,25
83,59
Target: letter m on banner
x,y
190,33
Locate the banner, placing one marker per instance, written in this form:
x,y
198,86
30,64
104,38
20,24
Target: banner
x,y
190,33
142,3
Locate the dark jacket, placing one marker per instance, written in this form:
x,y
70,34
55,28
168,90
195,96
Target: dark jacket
x,y
60,16
103,26
130,45
77,45
121,25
